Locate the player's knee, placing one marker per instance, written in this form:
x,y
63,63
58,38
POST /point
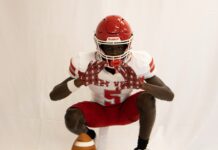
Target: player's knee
x,y
74,120
146,102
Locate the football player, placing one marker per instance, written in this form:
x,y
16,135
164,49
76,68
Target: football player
x,y
112,72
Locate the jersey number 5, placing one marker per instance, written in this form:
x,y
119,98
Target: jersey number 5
x,y
112,97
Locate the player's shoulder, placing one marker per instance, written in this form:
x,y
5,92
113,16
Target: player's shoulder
x,y
81,59
142,56
142,62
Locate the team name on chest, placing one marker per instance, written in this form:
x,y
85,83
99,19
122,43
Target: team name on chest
x,y
116,84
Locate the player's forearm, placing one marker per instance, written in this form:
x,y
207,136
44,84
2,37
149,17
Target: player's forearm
x,y
160,92
64,89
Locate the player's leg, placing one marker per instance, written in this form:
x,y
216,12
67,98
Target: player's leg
x,y
77,118
75,121
86,114
147,112
140,106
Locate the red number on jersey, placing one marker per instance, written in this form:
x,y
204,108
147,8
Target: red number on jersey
x,y
113,96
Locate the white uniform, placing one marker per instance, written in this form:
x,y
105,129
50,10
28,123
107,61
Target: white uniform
x,y
141,62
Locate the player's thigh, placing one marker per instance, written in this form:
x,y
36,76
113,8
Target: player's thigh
x,y
94,113
129,109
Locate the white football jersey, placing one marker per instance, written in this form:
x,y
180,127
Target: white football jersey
x,y
141,62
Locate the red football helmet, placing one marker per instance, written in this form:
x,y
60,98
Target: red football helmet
x,y
113,32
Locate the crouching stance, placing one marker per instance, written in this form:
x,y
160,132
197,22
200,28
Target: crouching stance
x,y
112,73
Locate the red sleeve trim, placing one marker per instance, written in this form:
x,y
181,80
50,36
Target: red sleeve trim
x,y
152,66
151,63
72,68
72,72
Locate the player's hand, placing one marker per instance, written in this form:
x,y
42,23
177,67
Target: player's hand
x,y
90,76
131,79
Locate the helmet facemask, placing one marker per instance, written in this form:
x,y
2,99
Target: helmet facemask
x,y
115,53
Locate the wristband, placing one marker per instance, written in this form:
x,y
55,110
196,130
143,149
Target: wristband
x,y
71,86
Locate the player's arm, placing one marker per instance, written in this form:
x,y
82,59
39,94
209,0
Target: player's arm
x,y
69,85
156,87
64,89
77,79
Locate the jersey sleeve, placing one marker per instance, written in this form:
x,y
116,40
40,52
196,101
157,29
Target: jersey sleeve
x,y
73,68
79,63
150,68
143,64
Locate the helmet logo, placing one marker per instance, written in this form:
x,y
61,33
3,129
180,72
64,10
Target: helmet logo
x,y
114,39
